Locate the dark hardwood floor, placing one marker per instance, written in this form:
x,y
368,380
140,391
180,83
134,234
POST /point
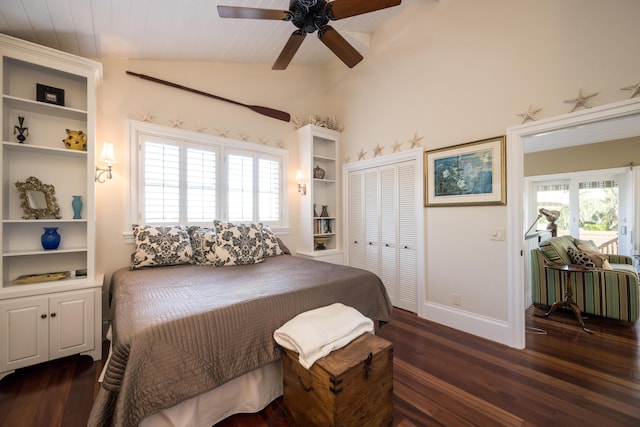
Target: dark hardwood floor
x,y
442,377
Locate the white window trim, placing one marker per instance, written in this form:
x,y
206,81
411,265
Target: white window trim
x,y
134,130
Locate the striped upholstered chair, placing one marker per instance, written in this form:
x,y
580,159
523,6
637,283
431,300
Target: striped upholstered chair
x,y
611,293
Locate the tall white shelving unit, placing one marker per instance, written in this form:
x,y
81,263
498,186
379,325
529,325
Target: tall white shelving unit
x,y
319,149
44,320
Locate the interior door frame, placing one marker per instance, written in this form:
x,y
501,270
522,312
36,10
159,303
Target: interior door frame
x,y
516,137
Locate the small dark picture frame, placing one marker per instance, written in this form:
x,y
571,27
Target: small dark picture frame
x,y
48,94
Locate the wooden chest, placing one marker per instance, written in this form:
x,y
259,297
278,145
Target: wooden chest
x,y
352,386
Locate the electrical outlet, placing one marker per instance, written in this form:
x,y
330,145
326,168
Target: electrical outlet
x,y
456,299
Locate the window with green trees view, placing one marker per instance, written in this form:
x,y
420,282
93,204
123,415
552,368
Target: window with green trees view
x,y
589,207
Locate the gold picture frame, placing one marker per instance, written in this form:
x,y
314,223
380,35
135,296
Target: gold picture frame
x,y
470,174
38,200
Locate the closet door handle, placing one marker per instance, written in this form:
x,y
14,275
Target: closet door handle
x,y
355,242
53,315
43,316
371,243
406,247
386,244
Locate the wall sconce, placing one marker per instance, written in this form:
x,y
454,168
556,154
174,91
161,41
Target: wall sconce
x,y
302,187
107,157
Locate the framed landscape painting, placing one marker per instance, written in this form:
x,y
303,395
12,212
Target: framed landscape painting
x,y
467,174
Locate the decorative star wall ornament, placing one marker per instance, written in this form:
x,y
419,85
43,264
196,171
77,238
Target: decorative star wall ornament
x,y
377,151
280,144
264,141
416,141
200,128
222,132
176,123
146,117
635,90
347,159
361,154
529,114
397,146
243,137
580,101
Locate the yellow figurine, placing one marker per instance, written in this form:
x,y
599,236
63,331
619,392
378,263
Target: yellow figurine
x,y
76,140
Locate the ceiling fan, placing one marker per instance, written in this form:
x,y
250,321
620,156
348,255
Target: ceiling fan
x,y
310,16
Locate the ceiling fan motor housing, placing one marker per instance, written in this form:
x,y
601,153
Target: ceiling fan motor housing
x,y
309,15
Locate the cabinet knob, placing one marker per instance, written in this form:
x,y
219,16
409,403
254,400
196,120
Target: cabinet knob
x,y
406,247
386,244
355,242
53,315
371,243
43,316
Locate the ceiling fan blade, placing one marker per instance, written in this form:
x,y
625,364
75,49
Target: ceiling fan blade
x,y
289,50
253,13
338,45
339,9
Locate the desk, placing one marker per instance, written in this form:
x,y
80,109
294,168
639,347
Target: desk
x,y
568,294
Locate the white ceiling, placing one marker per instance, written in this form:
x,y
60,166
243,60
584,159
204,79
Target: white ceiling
x,y
174,29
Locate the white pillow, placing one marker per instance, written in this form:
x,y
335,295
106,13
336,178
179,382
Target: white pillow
x,y
203,242
238,244
271,246
161,245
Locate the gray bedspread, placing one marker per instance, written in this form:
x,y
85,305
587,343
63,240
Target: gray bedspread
x,y
183,330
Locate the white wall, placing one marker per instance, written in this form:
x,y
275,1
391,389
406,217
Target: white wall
x,y
298,91
460,71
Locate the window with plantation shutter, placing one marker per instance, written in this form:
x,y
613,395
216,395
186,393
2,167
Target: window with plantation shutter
x,y
161,182
240,178
254,187
268,190
201,185
190,179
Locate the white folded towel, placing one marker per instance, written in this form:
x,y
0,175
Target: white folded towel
x,y
316,333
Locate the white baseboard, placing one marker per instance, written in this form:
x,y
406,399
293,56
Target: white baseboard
x,y
482,326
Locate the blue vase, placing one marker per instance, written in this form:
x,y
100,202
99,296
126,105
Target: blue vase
x,y
50,238
76,204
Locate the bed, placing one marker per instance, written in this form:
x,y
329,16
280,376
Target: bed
x,y
186,335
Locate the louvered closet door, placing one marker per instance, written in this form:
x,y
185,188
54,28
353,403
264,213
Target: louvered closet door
x,y
407,238
389,231
371,221
356,220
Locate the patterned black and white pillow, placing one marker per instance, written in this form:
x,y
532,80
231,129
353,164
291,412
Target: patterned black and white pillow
x,y
271,246
580,258
161,245
238,244
203,242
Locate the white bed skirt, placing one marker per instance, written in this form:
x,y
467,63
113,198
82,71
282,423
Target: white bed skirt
x,y
248,393
245,394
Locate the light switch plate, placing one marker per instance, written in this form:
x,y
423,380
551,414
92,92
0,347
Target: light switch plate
x,y
497,234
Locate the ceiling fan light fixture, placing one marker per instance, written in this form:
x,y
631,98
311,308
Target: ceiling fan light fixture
x,y
308,3
310,16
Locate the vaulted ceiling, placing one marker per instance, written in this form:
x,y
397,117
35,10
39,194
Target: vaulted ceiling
x,y
174,29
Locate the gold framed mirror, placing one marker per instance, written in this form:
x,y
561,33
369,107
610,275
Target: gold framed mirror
x,y
38,200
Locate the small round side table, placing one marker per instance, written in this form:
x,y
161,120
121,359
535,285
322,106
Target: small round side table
x,y
568,294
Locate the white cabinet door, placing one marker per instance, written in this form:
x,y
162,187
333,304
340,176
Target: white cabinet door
x,y
407,238
24,332
71,323
389,231
356,220
371,221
